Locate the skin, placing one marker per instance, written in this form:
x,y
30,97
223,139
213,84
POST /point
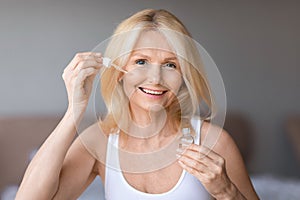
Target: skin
x,y
62,169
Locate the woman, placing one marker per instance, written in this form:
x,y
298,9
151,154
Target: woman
x,y
148,104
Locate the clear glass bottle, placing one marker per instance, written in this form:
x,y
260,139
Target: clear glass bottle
x,y
186,139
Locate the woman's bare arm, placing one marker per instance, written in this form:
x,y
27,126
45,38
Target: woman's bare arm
x,y
42,177
54,165
78,171
235,167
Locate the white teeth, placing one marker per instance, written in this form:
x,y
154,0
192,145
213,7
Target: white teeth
x,y
152,92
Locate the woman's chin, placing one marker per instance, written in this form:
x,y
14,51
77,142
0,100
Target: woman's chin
x,y
156,108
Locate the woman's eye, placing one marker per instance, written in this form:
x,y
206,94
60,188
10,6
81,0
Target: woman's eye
x,y
140,62
171,65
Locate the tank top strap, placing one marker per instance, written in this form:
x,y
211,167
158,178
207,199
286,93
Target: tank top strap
x,y
112,157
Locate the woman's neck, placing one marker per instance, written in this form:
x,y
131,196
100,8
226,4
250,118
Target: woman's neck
x,y
134,142
145,118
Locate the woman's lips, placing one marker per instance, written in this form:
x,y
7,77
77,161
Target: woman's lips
x,y
152,92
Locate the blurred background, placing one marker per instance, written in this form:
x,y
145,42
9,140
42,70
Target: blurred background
x,y
255,45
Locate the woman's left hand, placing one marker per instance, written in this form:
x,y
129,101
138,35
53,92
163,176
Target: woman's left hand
x,y
208,167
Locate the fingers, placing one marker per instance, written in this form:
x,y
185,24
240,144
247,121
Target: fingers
x,y
204,153
84,73
82,61
79,76
206,169
192,166
207,166
195,155
200,170
202,159
80,57
87,64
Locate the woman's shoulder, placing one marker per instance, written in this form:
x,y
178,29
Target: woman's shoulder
x,y
225,146
218,139
93,138
94,141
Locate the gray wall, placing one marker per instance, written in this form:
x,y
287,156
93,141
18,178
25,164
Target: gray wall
x,y
255,45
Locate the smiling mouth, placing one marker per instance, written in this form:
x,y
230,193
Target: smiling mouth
x,y
152,92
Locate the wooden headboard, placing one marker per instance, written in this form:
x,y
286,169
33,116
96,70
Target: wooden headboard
x,y
293,133
19,136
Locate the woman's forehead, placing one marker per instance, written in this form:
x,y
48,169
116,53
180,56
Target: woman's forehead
x,y
150,52
152,40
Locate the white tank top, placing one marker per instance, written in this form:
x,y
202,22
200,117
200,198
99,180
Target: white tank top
x,y
117,188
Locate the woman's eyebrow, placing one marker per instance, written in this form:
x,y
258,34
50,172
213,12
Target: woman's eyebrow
x,y
148,57
140,55
170,58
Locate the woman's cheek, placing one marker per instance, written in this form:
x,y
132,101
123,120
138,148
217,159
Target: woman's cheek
x,y
131,81
174,82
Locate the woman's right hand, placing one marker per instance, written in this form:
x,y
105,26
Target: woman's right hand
x,y
78,77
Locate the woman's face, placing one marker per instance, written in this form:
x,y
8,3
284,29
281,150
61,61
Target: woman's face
x,y
154,78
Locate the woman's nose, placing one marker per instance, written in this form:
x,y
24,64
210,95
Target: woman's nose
x,y
154,74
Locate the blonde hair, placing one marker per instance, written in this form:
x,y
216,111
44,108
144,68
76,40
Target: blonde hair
x,y
195,89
